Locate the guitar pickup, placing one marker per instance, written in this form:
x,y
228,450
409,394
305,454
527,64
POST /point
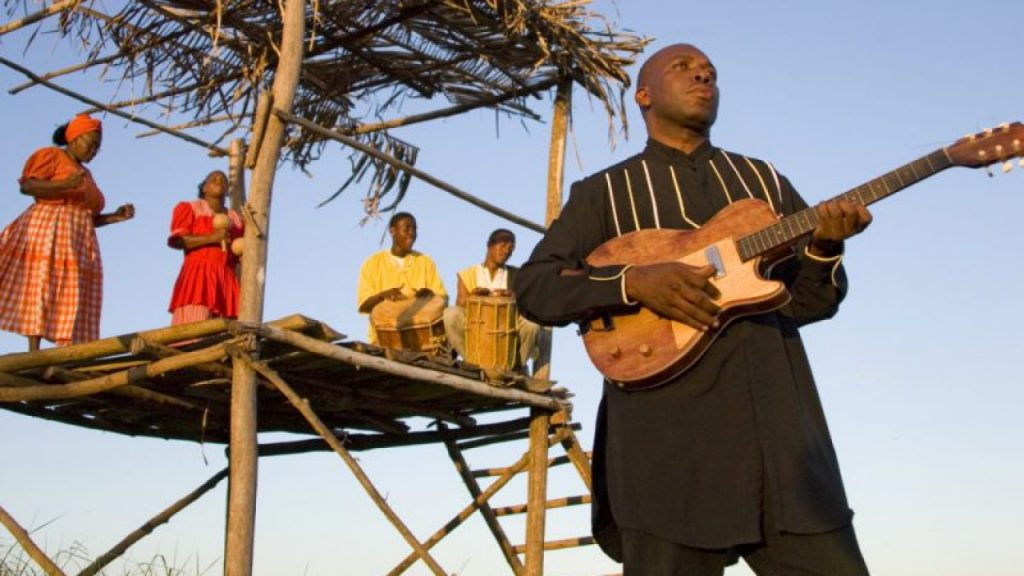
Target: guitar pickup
x,y
715,259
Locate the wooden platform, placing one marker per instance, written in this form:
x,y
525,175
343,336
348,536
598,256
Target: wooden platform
x,y
149,384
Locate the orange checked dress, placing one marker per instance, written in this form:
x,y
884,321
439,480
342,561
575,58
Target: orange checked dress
x,y
207,286
51,274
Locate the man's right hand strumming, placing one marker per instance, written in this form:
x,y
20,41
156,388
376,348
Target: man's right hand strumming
x,y
676,291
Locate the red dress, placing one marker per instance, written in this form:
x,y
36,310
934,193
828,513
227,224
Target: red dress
x,y
207,278
51,274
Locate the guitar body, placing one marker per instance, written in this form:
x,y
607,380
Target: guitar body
x,y
641,349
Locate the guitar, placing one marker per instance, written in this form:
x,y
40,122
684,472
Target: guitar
x,y
639,349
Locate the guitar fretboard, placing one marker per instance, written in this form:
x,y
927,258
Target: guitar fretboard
x,y
791,228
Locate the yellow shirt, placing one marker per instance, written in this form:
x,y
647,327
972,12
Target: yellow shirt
x,y
381,271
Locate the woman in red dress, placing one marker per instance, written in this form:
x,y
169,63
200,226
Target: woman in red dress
x,y
207,286
51,274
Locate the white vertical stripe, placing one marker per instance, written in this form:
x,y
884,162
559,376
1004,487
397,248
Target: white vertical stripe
x,y
679,196
632,203
738,175
650,189
615,211
720,181
778,186
764,186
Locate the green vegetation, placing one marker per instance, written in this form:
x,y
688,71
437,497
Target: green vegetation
x,y
15,562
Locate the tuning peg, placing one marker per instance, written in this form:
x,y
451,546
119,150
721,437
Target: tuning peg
x,y
988,170
1007,166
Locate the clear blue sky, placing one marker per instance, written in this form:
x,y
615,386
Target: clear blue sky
x,y
918,373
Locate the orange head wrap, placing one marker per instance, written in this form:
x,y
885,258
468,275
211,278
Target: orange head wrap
x,y
82,124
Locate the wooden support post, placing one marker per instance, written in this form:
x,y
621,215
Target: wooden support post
x,y
236,174
537,486
556,156
23,538
536,492
152,524
241,523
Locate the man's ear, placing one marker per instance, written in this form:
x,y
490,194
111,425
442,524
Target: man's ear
x,y
642,97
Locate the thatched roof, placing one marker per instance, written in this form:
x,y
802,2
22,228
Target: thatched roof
x,y
204,63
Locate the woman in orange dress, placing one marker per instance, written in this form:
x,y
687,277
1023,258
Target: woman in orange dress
x,y
51,274
207,286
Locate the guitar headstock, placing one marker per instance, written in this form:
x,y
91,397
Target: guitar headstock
x,y
988,147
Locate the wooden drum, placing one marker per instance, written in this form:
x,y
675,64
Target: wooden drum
x,y
492,340
415,324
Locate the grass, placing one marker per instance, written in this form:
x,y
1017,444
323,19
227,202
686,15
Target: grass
x,y
15,562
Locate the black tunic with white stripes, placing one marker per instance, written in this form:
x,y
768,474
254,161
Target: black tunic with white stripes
x,y
695,460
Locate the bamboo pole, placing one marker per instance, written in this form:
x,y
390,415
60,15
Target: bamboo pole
x,y
466,512
302,405
550,504
450,111
131,118
241,521
37,16
142,347
115,380
360,442
152,524
236,174
128,391
391,367
498,471
64,71
563,544
413,171
122,344
537,485
259,126
191,124
490,518
23,538
580,459
556,157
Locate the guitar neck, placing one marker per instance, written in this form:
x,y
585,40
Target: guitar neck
x,y
791,228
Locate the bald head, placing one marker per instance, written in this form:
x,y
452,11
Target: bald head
x,y
677,92
653,61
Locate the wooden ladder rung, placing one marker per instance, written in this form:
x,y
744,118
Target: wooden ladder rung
x,y
556,503
486,472
561,544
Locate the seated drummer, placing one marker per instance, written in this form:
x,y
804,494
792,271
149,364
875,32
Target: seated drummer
x,y
494,278
399,273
